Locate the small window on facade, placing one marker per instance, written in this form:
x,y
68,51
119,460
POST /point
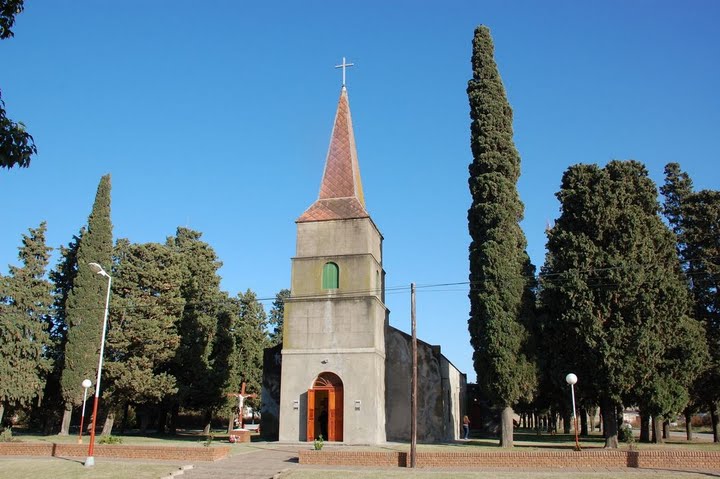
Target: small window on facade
x,y
331,276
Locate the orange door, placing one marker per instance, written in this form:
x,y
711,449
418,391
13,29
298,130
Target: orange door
x,y
332,433
311,415
338,408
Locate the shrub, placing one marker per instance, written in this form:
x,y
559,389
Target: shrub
x,y
6,435
110,440
318,443
626,435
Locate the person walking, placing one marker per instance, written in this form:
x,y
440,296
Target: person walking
x,y
466,427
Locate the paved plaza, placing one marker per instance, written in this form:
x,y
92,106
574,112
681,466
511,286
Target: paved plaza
x,y
263,461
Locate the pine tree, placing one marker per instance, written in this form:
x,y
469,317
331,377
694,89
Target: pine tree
x,y
85,305
277,317
62,277
613,291
200,288
238,351
501,298
143,338
251,339
25,304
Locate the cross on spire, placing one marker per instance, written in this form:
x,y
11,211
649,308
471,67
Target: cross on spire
x,y
344,65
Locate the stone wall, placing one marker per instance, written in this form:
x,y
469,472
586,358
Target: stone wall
x,y
270,394
441,391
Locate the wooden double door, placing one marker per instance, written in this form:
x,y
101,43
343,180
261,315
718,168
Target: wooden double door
x,y
325,408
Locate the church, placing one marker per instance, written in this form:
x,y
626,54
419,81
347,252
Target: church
x,y
342,371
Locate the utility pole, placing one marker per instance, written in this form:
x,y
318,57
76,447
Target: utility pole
x,y
413,381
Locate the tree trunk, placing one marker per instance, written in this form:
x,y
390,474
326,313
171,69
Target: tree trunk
x,y
208,419
688,424
506,427
123,424
644,427
231,425
666,429
174,419
567,420
583,422
657,430
2,412
65,426
609,423
144,420
714,417
162,420
108,426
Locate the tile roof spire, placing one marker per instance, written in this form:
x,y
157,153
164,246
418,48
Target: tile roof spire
x,y
341,194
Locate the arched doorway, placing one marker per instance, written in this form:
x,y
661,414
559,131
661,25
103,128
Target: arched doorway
x,y
325,408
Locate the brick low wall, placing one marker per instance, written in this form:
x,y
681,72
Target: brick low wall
x,y
114,451
677,460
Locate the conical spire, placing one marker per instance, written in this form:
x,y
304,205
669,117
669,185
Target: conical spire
x,y
341,193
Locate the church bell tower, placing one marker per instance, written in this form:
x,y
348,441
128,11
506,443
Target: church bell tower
x,y
333,356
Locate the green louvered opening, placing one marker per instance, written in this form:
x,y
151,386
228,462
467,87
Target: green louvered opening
x,y
331,276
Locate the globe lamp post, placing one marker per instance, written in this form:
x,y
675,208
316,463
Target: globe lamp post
x,y
571,379
85,384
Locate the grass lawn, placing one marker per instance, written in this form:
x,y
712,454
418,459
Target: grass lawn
x,y
486,474
32,468
182,438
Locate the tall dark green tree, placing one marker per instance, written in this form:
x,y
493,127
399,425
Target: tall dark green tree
x,y
200,288
702,230
613,291
501,276
62,276
277,317
25,304
695,219
251,339
16,145
245,327
85,305
144,337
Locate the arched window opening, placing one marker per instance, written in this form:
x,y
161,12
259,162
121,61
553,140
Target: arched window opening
x,y
331,276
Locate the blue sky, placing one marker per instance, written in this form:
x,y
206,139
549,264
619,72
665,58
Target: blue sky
x,y
217,115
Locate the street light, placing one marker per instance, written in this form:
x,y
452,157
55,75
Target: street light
x,y
86,384
571,379
90,461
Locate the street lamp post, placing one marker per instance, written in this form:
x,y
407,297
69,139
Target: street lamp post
x,y
571,379
90,461
86,384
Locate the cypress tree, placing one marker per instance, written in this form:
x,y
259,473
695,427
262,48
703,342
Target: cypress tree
x,y
25,305
695,219
501,276
613,291
277,317
85,303
702,230
200,288
238,350
62,277
143,338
